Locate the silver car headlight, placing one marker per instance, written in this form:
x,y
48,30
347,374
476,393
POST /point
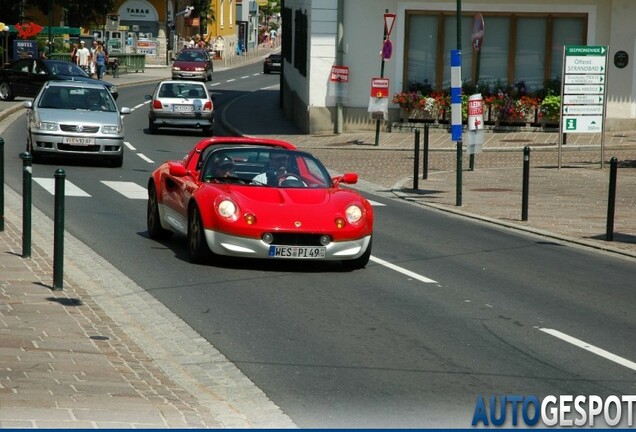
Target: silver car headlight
x,y
111,129
176,68
46,126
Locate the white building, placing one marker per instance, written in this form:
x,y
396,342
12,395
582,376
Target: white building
x,y
522,46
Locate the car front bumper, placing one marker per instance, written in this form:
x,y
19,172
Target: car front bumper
x,y
225,244
54,144
177,75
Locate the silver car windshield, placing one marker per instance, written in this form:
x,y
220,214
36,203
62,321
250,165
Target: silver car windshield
x,y
77,99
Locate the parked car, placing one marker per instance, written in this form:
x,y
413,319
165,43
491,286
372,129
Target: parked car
x,y
272,63
181,104
259,198
77,119
193,63
25,77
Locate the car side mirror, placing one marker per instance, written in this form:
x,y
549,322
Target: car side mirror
x,y
125,110
28,104
177,170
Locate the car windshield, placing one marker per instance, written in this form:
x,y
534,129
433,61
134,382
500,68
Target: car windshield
x,y
182,90
265,167
66,68
73,98
191,56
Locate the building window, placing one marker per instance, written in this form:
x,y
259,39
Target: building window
x,y
523,50
231,12
222,14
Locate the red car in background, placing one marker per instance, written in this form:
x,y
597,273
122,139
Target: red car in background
x,y
259,198
193,63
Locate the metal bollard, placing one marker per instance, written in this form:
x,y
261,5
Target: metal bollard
x,y
526,183
1,184
458,185
425,156
416,160
58,231
611,201
27,175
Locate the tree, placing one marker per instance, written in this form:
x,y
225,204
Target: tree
x,y
80,13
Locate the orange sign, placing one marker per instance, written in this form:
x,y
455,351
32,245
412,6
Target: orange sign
x,y
379,87
26,30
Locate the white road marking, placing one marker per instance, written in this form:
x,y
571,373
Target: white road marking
x,y
128,189
140,105
256,74
69,188
231,80
402,270
376,204
146,158
215,84
129,145
246,76
591,348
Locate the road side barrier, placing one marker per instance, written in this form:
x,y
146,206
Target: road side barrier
x,y
1,184
27,174
416,160
526,183
425,156
611,201
58,231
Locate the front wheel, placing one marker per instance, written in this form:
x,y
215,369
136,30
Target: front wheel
x,y
360,262
5,91
198,250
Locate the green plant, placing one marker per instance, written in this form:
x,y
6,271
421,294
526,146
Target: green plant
x,y
550,108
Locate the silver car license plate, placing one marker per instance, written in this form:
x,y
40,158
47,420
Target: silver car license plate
x,y
183,108
303,252
80,141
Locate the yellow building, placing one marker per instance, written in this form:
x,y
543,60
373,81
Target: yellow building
x,y
222,31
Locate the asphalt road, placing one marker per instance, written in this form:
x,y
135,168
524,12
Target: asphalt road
x,y
447,310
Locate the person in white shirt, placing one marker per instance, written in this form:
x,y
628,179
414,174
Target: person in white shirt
x,y
84,58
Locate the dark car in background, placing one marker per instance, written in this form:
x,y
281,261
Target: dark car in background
x,y
272,63
25,77
193,63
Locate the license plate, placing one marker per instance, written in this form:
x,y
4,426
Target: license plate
x,y
79,141
303,252
183,108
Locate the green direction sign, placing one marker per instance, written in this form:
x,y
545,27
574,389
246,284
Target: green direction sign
x,y
580,50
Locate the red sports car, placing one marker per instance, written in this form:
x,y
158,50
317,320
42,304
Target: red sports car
x,y
260,198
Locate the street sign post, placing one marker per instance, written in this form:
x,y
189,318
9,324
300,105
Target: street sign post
x,y
583,92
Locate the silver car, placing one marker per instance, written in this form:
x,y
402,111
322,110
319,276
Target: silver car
x,y
72,118
181,104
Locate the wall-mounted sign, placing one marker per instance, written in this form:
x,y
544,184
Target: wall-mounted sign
x,y
621,58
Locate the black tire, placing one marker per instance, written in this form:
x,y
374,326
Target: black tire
x,y
198,250
155,230
361,262
151,127
118,161
5,91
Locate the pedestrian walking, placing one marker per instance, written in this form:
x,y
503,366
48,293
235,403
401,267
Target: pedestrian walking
x,y
92,64
101,60
84,59
272,38
74,49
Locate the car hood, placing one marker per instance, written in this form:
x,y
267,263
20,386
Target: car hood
x,y
188,64
83,79
82,117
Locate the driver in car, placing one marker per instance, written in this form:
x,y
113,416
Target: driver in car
x,y
276,168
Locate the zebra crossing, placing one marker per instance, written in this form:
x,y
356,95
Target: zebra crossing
x,y
128,189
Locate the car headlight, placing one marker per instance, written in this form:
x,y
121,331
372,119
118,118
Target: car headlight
x,y
111,129
353,213
227,209
47,126
176,68
199,69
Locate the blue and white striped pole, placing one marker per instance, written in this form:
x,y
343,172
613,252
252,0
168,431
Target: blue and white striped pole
x,y
456,116
456,95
